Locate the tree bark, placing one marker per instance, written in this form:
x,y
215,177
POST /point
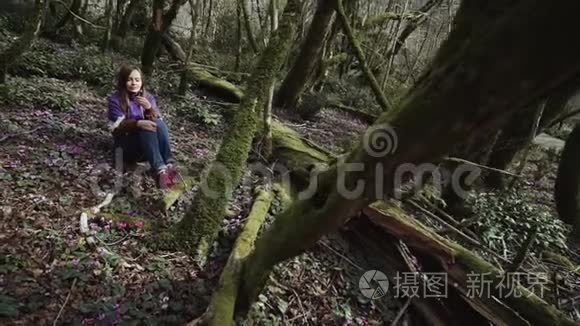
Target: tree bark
x,y
208,22
514,135
412,26
74,8
106,42
567,187
296,79
198,229
248,25
267,139
472,89
379,95
125,22
160,23
238,36
194,6
15,50
173,48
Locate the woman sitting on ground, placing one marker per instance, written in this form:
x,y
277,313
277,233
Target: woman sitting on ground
x,y
138,127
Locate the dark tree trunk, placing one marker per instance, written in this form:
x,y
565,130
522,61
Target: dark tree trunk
x,y
74,8
160,23
125,23
567,187
294,83
514,135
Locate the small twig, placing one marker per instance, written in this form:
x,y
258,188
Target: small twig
x,y
401,312
301,306
79,17
459,160
523,252
65,301
341,256
457,232
20,134
116,242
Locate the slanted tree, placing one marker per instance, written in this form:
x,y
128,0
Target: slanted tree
x,y
296,79
24,42
199,227
377,91
471,89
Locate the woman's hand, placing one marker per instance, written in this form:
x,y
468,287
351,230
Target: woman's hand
x,y
147,125
144,102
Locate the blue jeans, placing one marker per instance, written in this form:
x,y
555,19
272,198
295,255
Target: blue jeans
x,y
141,145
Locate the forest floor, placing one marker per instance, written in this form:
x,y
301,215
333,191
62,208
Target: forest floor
x,y
56,162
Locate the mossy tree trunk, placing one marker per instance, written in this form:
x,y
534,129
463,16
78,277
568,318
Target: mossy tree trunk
x,y
379,95
198,229
296,79
22,44
248,25
473,89
567,189
160,23
267,139
238,36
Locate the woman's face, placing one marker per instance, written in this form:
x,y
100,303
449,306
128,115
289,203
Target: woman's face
x,y
134,82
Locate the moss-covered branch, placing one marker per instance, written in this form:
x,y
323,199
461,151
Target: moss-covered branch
x,y
216,85
458,262
198,229
221,308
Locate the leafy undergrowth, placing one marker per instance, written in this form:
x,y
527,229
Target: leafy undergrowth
x,y
56,160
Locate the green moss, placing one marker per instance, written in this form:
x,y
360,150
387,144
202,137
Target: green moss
x,y
202,221
529,306
170,197
221,309
221,86
285,138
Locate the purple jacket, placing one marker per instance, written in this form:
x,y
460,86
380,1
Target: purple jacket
x,y
135,111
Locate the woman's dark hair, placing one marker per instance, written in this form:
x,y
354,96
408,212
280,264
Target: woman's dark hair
x,y
122,79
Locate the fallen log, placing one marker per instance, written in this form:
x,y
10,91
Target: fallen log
x,y
173,48
218,86
458,263
221,308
